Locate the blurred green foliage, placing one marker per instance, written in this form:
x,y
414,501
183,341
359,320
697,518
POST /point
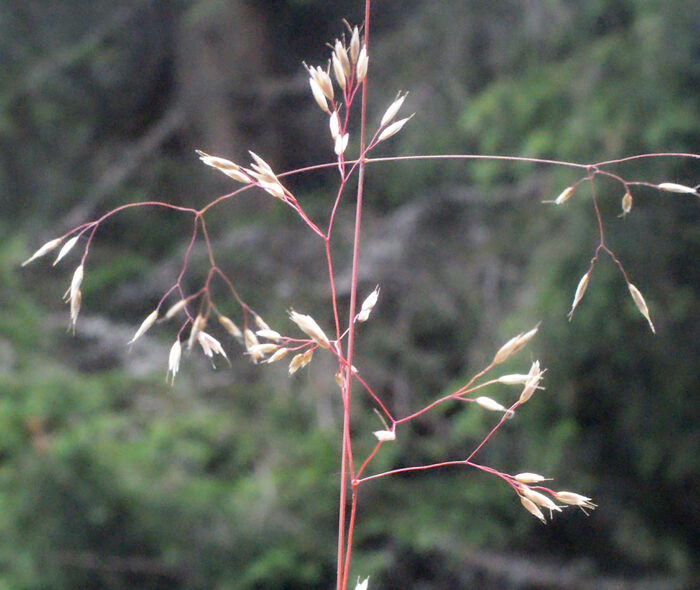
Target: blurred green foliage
x,y
111,479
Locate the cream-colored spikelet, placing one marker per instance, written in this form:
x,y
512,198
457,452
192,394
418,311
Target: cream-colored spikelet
x,y
74,296
228,167
385,435
362,64
393,129
258,351
175,309
529,478
513,345
45,249
269,334
145,325
564,196
368,305
299,361
309,326
532,383
490,404
580,291
174,360
250,338
394,107
539,499
355,45
210,345
231,328
574,499
198,324
67,247
532,508
514,379
279,354
341,144
626,204
641,304
334,124
672,187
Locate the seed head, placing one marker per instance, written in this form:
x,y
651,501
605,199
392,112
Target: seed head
x,y
539,499
281,353
231,328
250,338
392,110
319,97
309,326
210,345
259,350
67,247
145,325
174,360
368,305
299,361
514,345
226,166
490,404
334,124
355,45
580,290
626,204
198,324
641,304
362,63
532,508
45,249
175,309
564,196
514,379
532,383
385,435
393,129
672,187
573,499
269,334
529,478
341,143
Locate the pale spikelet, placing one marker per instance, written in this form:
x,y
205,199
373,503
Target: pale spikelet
x,y
641,304
362,63
299,361
309,326
324,81
76,281
198,325
75,301
334,124
564,196
269,334
574,499
231,328
626,204
175,309
514,379
532,508
210,345
367,305
341,144
45,249
174,360
392,110
260,323
361,585
393,129
672,187
385,435
355,45
532,383
145,325
280,354
539,499
263,169
529,478
274,188
226,166
489,404
513,345
67,247
259,350
319,97
580,290
250,338
341,54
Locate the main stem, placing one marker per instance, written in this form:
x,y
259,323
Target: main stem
x,y
344,563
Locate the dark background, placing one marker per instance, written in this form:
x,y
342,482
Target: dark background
x,y
111,479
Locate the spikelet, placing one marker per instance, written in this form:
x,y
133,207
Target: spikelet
x,y
574,499
198,325
67,247
341,144
174,360
362,63
532,383
226,166
532,508
539,499
309,326
175,309
529,478
355,45
641,304
393,129
490,404
318,95
368,305
280,354
392,110
513,345
626,204
145,325
334,124
45,249
564,196
672,187
231,328
385,435
580,290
